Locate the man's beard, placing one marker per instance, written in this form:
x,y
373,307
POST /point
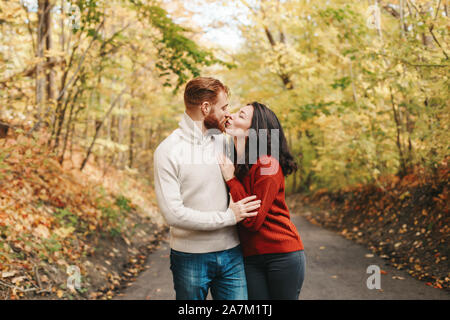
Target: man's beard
x,y
211,122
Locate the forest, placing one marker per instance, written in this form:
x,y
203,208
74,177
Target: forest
x,y
89,88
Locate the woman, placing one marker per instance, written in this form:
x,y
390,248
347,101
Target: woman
x,y
273,251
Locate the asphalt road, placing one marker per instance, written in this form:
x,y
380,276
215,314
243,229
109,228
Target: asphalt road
x,y
336,268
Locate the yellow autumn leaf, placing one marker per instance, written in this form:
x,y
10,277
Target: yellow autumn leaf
x,y
64,232
41,231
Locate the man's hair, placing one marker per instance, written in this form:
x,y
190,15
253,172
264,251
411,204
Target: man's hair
x,y
202,89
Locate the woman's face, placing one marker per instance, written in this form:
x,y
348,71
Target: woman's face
x,y
239,122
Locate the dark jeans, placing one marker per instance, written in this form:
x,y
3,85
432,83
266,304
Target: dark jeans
x,y
222,272
277,276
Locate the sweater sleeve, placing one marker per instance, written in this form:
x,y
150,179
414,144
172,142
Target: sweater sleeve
x,y
170,202
265,188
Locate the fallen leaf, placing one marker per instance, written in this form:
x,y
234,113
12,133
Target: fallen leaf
x,y
7,274
17,280
41,231
126,241
64,232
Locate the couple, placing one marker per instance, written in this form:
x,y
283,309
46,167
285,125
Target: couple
x,y
242,248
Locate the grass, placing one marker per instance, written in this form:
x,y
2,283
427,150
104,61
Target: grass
x,y
66,218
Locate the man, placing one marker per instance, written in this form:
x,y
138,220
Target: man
x,y
192,196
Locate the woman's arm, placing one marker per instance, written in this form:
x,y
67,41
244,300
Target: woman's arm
x,y
265,188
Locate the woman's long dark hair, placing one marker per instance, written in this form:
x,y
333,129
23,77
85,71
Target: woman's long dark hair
x,y
264,118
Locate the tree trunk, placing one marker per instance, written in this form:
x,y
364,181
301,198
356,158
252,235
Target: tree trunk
x,y
409,128
120,136
294,181
397,120
62,38
402,20
40,79
132,127
4,130
44,78
49,46
69,124
98,127
285,78
300,165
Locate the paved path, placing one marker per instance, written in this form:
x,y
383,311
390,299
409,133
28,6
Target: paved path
x,y
336,268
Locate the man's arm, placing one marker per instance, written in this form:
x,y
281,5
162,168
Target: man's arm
x,y
169,200
265,189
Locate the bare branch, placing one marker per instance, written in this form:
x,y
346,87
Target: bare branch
x,y
430,28
437,10
30,71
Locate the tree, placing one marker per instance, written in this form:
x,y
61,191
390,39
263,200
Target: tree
x,y
359,105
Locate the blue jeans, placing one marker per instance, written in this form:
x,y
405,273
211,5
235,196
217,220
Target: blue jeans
x,y
222,271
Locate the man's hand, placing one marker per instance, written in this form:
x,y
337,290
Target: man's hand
x,y
244,208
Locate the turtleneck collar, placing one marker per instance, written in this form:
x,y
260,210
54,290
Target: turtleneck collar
x,y
192,132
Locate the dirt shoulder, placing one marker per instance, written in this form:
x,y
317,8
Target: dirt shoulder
x,y
64,235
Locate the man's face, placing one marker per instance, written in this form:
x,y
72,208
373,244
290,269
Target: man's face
x,y
219,113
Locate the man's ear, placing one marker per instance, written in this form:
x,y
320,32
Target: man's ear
x,y
205,108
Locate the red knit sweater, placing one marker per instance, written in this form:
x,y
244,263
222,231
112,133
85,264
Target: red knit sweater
x,y
271,231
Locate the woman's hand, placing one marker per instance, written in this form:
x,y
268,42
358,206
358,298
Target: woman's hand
x,y
226,166
244,208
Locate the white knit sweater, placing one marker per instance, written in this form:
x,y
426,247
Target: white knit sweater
x,y
191,192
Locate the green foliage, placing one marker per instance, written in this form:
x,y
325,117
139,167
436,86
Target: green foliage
x,y
116,66
52,244
66,218
176,52
114,218
90,17
311,110
357,102
341,83
2,164
123,203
